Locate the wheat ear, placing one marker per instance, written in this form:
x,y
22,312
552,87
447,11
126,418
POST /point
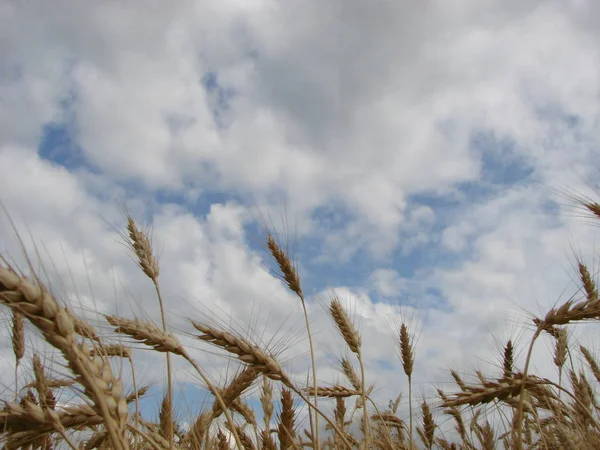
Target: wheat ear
x,y
285,428
29,424
266,401
121,351
592,362
508,360
333,392
57,326
230,395
291,278
259,360
352,338
427,433
18,343
491,390
141,246
163,341
234,390
587,309
408,359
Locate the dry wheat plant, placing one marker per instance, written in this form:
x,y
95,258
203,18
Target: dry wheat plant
x,y
512,409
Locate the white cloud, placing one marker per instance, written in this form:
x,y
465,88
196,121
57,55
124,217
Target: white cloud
x,y
387,281
342,109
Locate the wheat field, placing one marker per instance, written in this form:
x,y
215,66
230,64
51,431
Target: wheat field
x,y
511,409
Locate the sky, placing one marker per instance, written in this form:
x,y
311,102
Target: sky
x,y
413,157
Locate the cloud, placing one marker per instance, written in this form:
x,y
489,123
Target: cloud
x,y
418,149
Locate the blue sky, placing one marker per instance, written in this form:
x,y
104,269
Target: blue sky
x,y
415,171
500,168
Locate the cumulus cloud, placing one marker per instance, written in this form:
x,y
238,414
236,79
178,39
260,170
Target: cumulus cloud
x,y
418,147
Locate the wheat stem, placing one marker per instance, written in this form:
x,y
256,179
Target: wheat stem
x,y
519,416
170,430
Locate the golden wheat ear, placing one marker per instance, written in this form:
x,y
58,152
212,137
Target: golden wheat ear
x,y
166,419
491,390
18,344
334,391
353,340
286,426
139,242
18,336
57,325
345,326
246,352
292,280
427,431
348,370
288,271
234,390
591,361
508,359
147,332
407,355
592,207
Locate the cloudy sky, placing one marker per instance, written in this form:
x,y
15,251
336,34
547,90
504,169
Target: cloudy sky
x,y
410,154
